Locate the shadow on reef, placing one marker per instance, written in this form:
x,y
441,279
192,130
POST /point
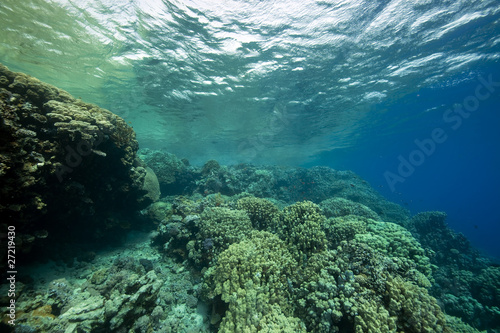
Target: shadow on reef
x,y
239,248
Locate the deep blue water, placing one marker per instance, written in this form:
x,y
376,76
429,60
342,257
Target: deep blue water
x,y
460,177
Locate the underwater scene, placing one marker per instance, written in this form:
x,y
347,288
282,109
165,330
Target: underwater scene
x,y
246,166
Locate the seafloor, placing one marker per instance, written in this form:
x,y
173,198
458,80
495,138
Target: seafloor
x,y
110,238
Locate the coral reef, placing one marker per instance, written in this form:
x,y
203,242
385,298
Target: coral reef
x,y
344,228
396,242
110,299
219,227
131,291
344,191
173,174
458,326
467,285
307,233
210,167
356,288
268,249
262,212
296,270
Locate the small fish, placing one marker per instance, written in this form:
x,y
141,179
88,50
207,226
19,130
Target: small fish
x,y
98,152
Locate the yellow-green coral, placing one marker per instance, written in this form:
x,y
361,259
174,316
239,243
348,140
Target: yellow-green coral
x,y
253,277
372,317
219,228
262,212
395,241
416,310
358,289
344,228
225,226
301,225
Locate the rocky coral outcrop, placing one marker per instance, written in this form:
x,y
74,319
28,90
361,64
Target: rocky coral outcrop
x,y
67,168
174,175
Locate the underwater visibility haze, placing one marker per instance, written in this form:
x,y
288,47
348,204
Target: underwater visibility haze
x,y
351,141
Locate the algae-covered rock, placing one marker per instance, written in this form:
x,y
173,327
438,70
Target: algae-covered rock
x,y
85,315
166,166
159,211
210,167
67,168
151,185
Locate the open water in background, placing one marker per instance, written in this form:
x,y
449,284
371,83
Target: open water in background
x,y
349,84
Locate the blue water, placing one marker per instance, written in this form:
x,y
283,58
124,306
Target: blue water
x,y
349,84
460,177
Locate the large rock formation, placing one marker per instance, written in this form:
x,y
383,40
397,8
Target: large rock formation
x,y
68,169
